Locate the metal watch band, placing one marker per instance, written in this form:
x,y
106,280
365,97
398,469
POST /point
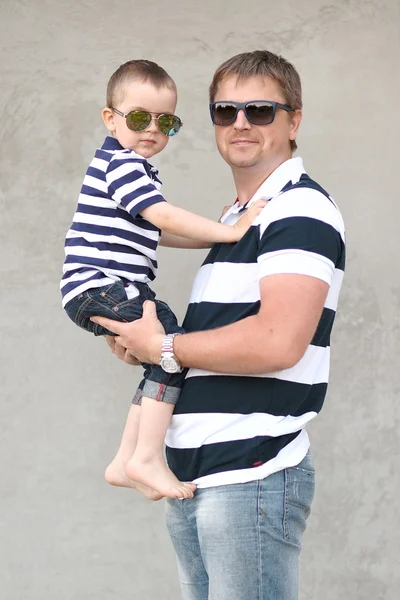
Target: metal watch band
x,y
168,343
168,362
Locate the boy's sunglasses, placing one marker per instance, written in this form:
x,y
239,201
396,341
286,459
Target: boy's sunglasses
x,y
258,112
139,120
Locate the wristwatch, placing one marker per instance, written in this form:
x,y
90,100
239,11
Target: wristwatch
x,y
168,362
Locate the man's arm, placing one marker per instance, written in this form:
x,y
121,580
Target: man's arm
x,y
274,339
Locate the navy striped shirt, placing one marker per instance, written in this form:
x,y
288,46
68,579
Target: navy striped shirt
x,y
230,428
108,239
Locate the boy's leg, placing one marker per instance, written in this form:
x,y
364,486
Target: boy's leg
x,y
160,394
115,472
147,465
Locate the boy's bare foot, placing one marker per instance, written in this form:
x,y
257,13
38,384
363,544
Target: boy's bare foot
x,y
154,473
115,475
148,492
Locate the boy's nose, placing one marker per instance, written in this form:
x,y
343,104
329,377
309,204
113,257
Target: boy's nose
x,y
153,125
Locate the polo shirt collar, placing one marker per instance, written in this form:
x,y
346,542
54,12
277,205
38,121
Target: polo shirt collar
x,y
111,143
290,170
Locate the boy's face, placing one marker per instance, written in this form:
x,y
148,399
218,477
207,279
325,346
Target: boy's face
x,y
141,96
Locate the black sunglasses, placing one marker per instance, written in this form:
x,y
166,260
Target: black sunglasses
x,y
139,120
258,112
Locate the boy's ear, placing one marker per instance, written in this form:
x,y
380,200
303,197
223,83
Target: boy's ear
x,y
108,118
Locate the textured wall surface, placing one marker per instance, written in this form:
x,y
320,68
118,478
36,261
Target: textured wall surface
x,y
65,534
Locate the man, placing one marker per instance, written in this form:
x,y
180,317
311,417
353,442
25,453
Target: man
x,y
259,323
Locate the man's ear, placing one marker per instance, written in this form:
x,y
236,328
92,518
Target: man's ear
x,y
295,119
108,118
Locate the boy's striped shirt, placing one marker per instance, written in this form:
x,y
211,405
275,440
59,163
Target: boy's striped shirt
x,y
235,428
108,239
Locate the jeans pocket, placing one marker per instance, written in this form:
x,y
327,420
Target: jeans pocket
x,y
306,464
299,494
113,294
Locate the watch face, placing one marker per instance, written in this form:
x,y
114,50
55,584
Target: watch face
x,y
169,365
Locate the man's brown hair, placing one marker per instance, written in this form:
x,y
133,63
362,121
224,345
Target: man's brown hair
x,y
145,71
262,63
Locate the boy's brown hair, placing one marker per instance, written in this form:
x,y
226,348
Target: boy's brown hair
x,y
145,71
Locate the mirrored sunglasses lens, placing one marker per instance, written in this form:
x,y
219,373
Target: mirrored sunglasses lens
x,y
138,120
260,113
223,113
169,125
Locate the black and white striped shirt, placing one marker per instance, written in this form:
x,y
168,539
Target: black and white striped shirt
x,y
235,428
108,239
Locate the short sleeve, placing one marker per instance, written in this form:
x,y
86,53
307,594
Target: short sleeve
x,y
300,234
130,183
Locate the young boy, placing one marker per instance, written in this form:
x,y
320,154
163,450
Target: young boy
x,y
111,257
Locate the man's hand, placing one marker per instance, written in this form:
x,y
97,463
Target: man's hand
x,y
138,341
120,352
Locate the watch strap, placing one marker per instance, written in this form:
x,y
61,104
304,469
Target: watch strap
x,y
168,344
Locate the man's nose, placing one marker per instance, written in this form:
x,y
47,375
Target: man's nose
x,y
241,121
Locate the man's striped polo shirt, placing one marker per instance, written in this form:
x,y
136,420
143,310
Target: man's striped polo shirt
x,y
234,428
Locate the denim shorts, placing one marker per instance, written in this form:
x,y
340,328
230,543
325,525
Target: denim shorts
x,y
112,302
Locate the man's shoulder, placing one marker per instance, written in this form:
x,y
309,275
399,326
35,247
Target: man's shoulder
x,y
304,198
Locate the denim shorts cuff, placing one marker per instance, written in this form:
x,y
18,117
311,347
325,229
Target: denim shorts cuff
x,y
161,392
137,398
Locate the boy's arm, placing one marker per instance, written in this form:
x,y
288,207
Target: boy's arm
x,y
169,240
181,222
130,185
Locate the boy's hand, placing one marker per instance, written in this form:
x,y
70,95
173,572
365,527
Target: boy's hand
x,y
248,217
224,210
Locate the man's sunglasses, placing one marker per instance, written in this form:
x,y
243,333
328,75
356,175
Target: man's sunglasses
x,y
258,112
139,120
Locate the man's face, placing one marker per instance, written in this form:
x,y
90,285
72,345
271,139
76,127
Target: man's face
x,y
256,147
141,96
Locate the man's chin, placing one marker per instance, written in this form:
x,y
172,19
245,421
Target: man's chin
x,y
242,159
242,163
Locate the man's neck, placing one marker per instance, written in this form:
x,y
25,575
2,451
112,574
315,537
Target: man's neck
x,y
249,179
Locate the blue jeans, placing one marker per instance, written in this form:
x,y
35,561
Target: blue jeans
x,y
111,301
243,541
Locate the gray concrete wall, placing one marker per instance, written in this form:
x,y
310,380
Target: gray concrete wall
x,y
64,533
